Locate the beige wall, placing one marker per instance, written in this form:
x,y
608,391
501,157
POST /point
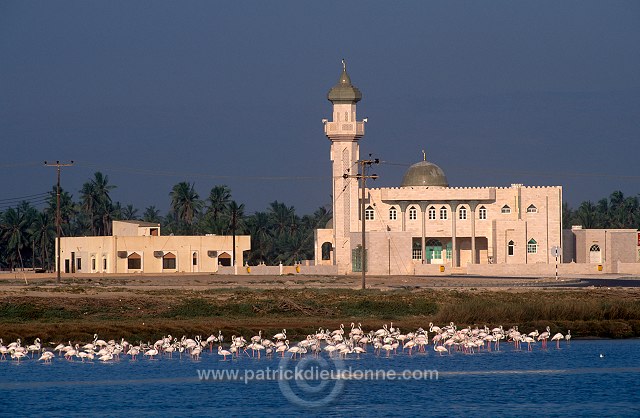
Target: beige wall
x,y
115,249
616,245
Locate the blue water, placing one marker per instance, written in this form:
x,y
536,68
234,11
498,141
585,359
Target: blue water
x,y
574,380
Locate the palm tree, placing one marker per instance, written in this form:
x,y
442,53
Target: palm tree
x,y
587,215
185,203
129,213
261,241
219,198
68,211
283,218
43,233
14,232
96,203
151,214
235,216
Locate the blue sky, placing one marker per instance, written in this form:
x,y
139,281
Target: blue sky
x,y
152,93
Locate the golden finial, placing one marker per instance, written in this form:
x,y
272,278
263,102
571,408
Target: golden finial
x,y
344,65
424,156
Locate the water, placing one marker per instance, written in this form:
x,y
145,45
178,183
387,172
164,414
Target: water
x,y
575,380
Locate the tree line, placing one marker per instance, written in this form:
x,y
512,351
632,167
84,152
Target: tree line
x,y
278,234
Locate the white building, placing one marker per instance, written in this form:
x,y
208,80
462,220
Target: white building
x,y
424,223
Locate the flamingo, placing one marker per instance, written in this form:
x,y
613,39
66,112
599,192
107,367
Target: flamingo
x,y
281,336
223,353
557,339
568,336
152,352
46,356
440,349
544,337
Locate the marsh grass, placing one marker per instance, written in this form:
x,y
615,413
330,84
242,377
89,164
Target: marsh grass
x,y
243,311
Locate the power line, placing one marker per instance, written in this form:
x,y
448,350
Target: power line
x,y
23,197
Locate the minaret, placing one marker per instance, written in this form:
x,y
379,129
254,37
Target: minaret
x,y
344,131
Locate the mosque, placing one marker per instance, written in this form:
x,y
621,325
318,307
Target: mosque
x,y
424,225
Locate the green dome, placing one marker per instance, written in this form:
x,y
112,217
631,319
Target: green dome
x,y
424,173
344,91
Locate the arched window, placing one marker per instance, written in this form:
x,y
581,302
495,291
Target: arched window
x,y
506,209
369,214
224,259
532,209
532,246
462,213
195,259
134,261
443,213
510,248
393,213
326,251
413,213
432,213
169,261
595,256
482,213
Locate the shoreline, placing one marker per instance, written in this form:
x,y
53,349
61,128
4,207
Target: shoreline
x,y
148,307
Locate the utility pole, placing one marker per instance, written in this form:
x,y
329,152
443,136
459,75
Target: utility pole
x,y
362,176
58,165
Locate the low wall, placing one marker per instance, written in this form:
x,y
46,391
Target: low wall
x,y
628,268
537,270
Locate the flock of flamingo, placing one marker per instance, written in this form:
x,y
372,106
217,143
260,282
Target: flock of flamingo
x,y
444,340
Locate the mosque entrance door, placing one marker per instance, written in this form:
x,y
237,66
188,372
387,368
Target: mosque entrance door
x,y
433,251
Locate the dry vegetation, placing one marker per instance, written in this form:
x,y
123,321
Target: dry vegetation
x,y
142,309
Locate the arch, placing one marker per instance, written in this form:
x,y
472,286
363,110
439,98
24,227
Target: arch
x,y
326,250
482,213
393,213
532,209
505,209
443,212
462,213
511,248
413,213
169,261
532,246
134,261
369,214
595,255
224,259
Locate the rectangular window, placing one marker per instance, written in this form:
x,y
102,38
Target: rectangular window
x,y
79,264
93,264
463,214
443,213
416,254
368,214
134,263
195,260
532,248
393,214
482,213
169,263
104,263
413,214
432,214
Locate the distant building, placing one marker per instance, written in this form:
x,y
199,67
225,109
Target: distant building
x,y
138,247
425,222
601,246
